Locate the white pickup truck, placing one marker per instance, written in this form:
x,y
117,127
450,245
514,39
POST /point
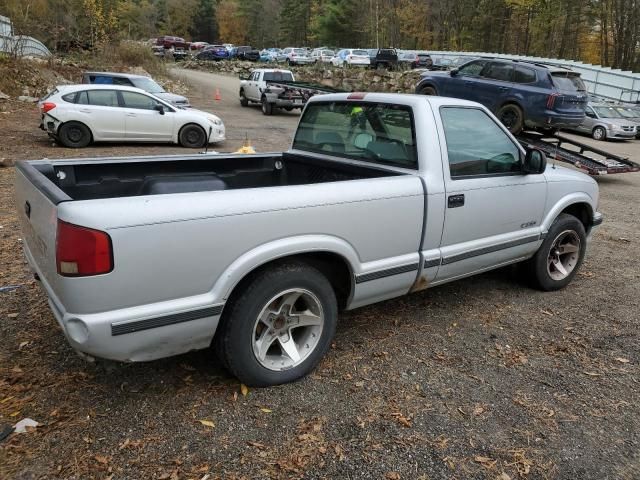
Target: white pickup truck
x,y
274,88
380,195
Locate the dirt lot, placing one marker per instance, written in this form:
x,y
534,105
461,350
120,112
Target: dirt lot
x,y
480,379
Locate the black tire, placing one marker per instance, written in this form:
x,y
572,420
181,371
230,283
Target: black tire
x,y
267,108
599,133
288,109
549,131
538,270
235,337
74,135
428,90
243,99
192,136
512,117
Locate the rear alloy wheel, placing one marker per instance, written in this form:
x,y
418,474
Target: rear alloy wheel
x,y
599,133
267,108
279,327
74,135
428,91
511,117
193,136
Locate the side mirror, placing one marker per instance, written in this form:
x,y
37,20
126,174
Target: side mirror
x,y
159,109
535,162
362,140
453,72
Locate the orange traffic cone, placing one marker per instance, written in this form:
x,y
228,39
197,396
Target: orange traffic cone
x,y
218,97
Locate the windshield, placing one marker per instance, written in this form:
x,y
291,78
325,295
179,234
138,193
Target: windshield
x,y
371,132
278,76
568,82
627,112
607,112
300,51
148,85
362,53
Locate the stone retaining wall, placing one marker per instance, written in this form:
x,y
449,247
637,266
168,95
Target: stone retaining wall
x,y
348,79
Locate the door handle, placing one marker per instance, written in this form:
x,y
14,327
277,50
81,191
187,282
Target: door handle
x,y
504,89
85,110
131,115
455,201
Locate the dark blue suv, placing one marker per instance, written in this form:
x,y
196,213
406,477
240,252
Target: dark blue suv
x,y
521,94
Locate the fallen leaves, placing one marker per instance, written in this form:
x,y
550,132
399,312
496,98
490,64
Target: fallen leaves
x,y
486,462
392,476
622,360
401,419
244,390
266,410
207,423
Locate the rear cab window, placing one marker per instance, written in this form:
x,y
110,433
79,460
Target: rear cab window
x,y
367,131
278,76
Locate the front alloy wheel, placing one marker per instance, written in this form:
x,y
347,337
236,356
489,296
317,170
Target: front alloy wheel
x,y
564,255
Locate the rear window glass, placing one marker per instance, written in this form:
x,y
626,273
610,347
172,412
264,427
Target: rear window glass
x,y
300,51
278,76
371,132
360,52
387,52
524,75
568,82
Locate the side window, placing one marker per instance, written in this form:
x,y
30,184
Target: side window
x,y
70,97
101,80
472,69
590,113
524,75
103,98
83,98
122,81
137,100
499,71
488,152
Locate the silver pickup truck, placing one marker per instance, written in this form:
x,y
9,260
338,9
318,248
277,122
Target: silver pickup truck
x,y
380,195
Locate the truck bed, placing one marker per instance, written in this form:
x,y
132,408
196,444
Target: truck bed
x,y
88,179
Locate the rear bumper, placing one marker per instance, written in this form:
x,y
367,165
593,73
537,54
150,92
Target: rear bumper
x,y
553,119
135,334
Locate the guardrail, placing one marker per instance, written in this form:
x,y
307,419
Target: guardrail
x,y
23,46
601,81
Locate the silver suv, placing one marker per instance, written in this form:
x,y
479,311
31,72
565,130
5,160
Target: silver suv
x,y
604,121
139,81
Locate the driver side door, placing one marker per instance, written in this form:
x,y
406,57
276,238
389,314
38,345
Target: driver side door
x,y
493,210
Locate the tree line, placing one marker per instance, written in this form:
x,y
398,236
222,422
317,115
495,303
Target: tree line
x,y
606,32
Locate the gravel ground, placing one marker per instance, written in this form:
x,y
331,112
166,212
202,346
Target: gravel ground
x,y
479,379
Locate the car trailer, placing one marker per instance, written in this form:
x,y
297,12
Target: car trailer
x,y
585,157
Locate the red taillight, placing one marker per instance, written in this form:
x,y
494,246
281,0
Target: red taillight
x,y
46,106
82,251
551,100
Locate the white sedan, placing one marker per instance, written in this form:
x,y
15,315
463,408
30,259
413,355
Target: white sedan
x,y
350,57
76,115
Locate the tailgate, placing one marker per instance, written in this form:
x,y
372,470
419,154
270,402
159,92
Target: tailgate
x,y
37,198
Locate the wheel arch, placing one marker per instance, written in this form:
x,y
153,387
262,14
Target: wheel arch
x,y
81,123
334,257
188,123
424,84
578,204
